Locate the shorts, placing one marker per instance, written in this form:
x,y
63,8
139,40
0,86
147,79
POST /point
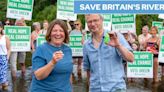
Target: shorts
x,y
13,59
155,55
77,60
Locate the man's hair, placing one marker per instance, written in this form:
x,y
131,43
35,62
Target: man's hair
x,y
97,14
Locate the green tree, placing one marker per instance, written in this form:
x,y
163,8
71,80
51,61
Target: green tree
x,y
3,5
144,19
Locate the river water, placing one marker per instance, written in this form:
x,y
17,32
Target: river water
x,y
23,84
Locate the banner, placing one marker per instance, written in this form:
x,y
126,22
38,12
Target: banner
x,y
40,40
19,37
161,16
119,6
76,45
107,21
161,51
18,9
157,24
65,10
142,67
123,23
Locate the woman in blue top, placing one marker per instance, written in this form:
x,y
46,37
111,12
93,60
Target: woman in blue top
x,y
52,61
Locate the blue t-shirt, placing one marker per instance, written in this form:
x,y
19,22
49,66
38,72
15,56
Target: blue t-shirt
x,y
59,79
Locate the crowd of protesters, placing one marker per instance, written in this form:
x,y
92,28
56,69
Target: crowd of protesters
x,y
52,62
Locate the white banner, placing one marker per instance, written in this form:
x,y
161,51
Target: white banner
x,y
65,10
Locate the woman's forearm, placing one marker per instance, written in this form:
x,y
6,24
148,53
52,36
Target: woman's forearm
x,y
44,71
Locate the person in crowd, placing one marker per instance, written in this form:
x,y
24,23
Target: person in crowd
x,y
103,62
135,46
142,38
34,35
160,34
20,55
130,37
52,63
7,22
4,56
45,27
78,31
152,45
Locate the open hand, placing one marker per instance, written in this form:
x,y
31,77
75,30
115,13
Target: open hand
x,y
114,41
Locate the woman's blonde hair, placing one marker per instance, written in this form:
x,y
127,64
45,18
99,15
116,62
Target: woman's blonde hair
x,y
154,27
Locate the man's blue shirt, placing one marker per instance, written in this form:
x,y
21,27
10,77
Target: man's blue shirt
x,y
105,65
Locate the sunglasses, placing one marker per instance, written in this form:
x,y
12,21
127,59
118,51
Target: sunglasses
x,y
76,24
7,23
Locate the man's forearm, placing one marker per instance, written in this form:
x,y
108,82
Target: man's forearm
x,y
127,55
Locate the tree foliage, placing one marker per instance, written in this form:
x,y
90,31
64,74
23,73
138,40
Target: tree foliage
x,y
144,19
3,7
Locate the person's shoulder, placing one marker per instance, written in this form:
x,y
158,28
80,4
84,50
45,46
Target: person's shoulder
x,y
140,36
33,33
40,50
43,46
149,35
6,37
66,47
